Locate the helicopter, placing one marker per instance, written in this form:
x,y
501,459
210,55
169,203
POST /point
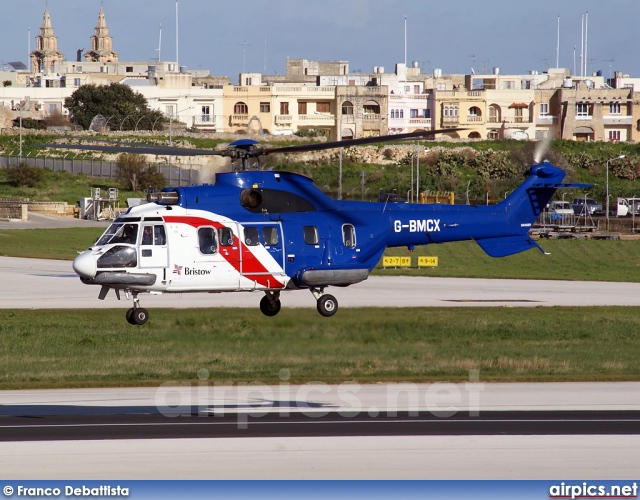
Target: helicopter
x,y
271,232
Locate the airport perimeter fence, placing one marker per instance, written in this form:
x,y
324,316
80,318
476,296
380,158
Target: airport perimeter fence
x,y
176,175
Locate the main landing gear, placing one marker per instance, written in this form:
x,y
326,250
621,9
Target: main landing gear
x,y
137,315
327,304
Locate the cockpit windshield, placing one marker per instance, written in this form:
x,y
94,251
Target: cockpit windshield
x,y
119,232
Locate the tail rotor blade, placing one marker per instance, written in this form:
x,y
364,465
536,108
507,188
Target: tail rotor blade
x,y
541,148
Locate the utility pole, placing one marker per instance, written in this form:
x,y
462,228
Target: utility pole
x,y
244,53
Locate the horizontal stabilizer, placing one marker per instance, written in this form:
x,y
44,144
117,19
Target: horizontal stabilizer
x,y
507,245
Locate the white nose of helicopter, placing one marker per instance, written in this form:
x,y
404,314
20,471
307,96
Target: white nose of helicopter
x,y
85,265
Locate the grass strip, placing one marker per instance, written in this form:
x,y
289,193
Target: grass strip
x,y
57,244
97,348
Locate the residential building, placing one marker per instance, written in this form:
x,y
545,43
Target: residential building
x,y
460,108
363,111
588,113
324,96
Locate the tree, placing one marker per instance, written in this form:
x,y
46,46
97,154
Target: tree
x,y
128,108
135,174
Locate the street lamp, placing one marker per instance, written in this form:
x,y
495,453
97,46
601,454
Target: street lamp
x,y
20,155
24,104
608,161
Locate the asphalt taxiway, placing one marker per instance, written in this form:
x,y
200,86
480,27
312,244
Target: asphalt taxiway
x,y
384,431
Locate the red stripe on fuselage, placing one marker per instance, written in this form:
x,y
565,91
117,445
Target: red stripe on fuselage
x,y
250,263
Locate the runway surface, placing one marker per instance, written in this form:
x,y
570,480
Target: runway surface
x,y
34,283
382,431
153,425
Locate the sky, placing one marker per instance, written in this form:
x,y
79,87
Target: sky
x,y
229,37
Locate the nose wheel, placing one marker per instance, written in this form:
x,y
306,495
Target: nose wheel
x,y
327,304
270,304
137,315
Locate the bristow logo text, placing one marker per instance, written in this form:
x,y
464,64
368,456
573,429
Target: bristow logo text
x,y
418,226
196,272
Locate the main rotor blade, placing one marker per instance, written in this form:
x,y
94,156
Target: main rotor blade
x,y
138,148
358,142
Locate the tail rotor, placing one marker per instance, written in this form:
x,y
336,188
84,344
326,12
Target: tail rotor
x,y
541,148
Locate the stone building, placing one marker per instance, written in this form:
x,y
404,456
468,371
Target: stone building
x,y
101,43
46,58
362,111
588,113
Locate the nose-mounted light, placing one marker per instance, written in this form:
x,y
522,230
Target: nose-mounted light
x,y
85,265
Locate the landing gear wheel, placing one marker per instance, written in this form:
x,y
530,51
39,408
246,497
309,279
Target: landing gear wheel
x,y
327,305
269,307
140,316
130,316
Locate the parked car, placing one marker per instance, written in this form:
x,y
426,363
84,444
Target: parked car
x,y
586,206
620,208
634,206
561,208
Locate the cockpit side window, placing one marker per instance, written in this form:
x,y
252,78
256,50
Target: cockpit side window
x,y
147,235
159,235
207,240
153,235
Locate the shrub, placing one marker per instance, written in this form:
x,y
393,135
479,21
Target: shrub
x,y
56,119
24,175
135,174
311,132
27,123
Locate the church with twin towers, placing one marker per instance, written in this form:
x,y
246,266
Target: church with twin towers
x,y
47,58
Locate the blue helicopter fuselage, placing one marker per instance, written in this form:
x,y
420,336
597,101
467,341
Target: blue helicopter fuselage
x,y
322,233
272,231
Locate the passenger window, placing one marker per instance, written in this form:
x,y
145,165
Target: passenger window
x,y
310,235
207,240
225,235
349,236
270,235
159,236
251,237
